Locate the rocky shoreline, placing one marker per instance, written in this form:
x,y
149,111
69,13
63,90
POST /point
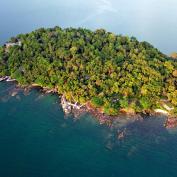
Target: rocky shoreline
x,y
77,110
7,79
171,122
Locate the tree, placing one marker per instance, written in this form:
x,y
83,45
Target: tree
x,y
97,102
123,102
145,102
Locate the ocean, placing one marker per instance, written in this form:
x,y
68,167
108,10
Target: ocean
x,y
38,140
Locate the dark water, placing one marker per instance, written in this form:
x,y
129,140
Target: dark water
x,y
37,141
152,20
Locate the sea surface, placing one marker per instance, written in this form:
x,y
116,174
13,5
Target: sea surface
x,y
37,140
154,21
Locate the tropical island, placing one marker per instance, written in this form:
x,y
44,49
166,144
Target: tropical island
x,y
98,71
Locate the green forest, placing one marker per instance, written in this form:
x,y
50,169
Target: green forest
x,y
110,71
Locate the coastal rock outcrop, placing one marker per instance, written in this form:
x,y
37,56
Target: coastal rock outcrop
x,y
171,122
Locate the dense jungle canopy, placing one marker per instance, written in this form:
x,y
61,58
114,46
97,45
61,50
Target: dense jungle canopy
x,y
111,71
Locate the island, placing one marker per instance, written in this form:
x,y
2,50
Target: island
x,y
96,71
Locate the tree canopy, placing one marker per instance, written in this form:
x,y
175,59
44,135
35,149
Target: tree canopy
x,y
112,71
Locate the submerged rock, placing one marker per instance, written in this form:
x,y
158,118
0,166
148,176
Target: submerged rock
x,y
121,135
109,145
18,97
14,93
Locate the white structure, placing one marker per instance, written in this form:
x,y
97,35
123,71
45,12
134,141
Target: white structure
x,y
161,111
67,106
11,44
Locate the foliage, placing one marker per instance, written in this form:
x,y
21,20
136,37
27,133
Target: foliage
x,y
109,70
145,103
98,102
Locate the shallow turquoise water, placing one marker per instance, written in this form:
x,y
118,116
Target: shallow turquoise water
x,y
36,140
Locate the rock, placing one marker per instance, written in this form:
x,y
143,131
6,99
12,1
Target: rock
x,y
171,122
14,93
109,145
26,91
121,135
